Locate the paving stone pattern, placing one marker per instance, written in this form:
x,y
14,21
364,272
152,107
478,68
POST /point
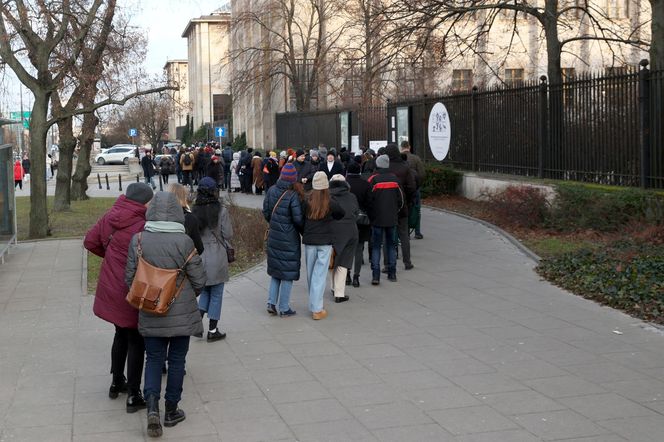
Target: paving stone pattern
x,y
469,346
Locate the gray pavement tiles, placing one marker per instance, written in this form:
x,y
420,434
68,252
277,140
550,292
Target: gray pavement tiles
x,y
469,346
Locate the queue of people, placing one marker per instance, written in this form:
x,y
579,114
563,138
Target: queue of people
x,y
318,204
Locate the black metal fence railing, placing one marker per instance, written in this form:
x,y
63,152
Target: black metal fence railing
x,y
604,129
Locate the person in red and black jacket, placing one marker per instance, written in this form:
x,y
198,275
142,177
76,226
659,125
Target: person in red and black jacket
x,y
386,201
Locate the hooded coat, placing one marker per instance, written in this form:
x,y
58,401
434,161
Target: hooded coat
x,y
215,257
18,171
257,168
345,229
109,239
169,251
235,178
283,241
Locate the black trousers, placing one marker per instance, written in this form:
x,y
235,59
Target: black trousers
x,y
128,347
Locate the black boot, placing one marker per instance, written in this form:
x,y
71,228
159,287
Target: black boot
x,y
356,280
135,402
173,415
348,281
118,386
154,422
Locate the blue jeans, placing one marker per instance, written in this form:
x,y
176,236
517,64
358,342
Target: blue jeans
x,y
148,180
377,234
318,261
211,299
158,350
280,290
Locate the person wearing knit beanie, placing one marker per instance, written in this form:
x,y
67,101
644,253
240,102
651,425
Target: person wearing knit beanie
x,y
288,173
320,181
383,162
354,168
299,153
139,192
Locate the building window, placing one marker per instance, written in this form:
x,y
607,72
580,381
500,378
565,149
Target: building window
x,y
222,107
514,77
353,82
462,80
410,78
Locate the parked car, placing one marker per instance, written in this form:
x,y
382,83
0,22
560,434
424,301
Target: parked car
x,y
119,154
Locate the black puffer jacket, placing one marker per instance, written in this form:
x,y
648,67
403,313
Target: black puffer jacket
x,y
169,251
345,229
362,191
283,241
406,177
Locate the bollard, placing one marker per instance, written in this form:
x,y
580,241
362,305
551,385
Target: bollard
x,y
108,186
161,184
137,178
120,182
99,181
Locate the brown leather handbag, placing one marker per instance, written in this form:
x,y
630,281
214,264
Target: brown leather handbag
x,y
154,289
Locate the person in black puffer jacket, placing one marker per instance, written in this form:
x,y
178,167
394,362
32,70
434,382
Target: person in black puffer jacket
x,y
283,212
406,178
345,236
362,191
165,244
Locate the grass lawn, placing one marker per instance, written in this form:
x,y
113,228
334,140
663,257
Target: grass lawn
x,y
74,223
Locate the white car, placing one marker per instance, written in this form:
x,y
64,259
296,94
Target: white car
x,y
117,154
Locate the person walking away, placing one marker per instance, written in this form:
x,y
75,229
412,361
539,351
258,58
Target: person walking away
x,y
235,182
178,168
419,171
257,170
362,191
406,179
109,239
247,175
191,227
216,232
18,174
345,236
26,164
165,244
227,156
283,212
49,163
317,238
187,166
386,202
148,164
54,165
332,166
165,167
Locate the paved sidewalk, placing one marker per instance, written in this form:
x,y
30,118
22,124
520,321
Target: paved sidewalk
x,y
468,346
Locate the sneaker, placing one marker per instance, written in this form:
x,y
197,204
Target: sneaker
x,y
375,282
319,315
118,386
215,336
419,236
272,309
287,313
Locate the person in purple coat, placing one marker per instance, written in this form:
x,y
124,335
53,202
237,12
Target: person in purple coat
x,y
110,239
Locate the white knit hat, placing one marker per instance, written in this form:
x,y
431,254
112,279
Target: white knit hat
x,y
320,181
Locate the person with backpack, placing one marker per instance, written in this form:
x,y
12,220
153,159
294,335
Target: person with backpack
x,y
109,239
187,166
164,244
283,212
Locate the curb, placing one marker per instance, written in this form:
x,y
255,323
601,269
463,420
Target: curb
x,y
525,250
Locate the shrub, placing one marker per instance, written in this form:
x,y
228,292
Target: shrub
x,y
582,207
623,276
240,142
522,206
440,180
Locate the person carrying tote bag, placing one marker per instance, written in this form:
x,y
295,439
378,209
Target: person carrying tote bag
x,y
164,244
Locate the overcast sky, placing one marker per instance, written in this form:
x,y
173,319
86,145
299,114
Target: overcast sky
x,y
162,20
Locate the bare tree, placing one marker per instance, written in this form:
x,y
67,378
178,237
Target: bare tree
x,y
287,40
657,33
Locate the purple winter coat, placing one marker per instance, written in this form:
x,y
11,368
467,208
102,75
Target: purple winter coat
x,y
110,239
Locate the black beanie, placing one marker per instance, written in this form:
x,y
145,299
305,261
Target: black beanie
x,y
353,167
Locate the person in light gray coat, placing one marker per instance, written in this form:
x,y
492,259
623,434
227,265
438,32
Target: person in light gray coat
x,y
345,236
216,232
165,244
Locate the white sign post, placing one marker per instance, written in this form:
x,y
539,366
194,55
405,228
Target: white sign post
x,y
440,131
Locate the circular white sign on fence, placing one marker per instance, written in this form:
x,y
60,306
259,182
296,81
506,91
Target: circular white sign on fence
x,y
440,131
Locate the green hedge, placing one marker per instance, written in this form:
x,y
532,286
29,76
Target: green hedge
x,y
622,276
440,180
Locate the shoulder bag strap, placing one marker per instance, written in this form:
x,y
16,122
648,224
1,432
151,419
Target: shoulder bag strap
x,y
139,249
278,201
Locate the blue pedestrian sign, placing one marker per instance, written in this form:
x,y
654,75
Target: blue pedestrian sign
x,y
133,132
220,132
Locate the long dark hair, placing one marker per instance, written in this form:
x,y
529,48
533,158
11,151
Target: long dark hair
x,y
206,208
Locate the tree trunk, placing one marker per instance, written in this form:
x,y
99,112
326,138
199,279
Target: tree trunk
x,y
554,72
657,37
38,133
79,186
62,201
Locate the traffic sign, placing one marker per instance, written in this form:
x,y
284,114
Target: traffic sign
x,y
220,132
133,132
17,117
